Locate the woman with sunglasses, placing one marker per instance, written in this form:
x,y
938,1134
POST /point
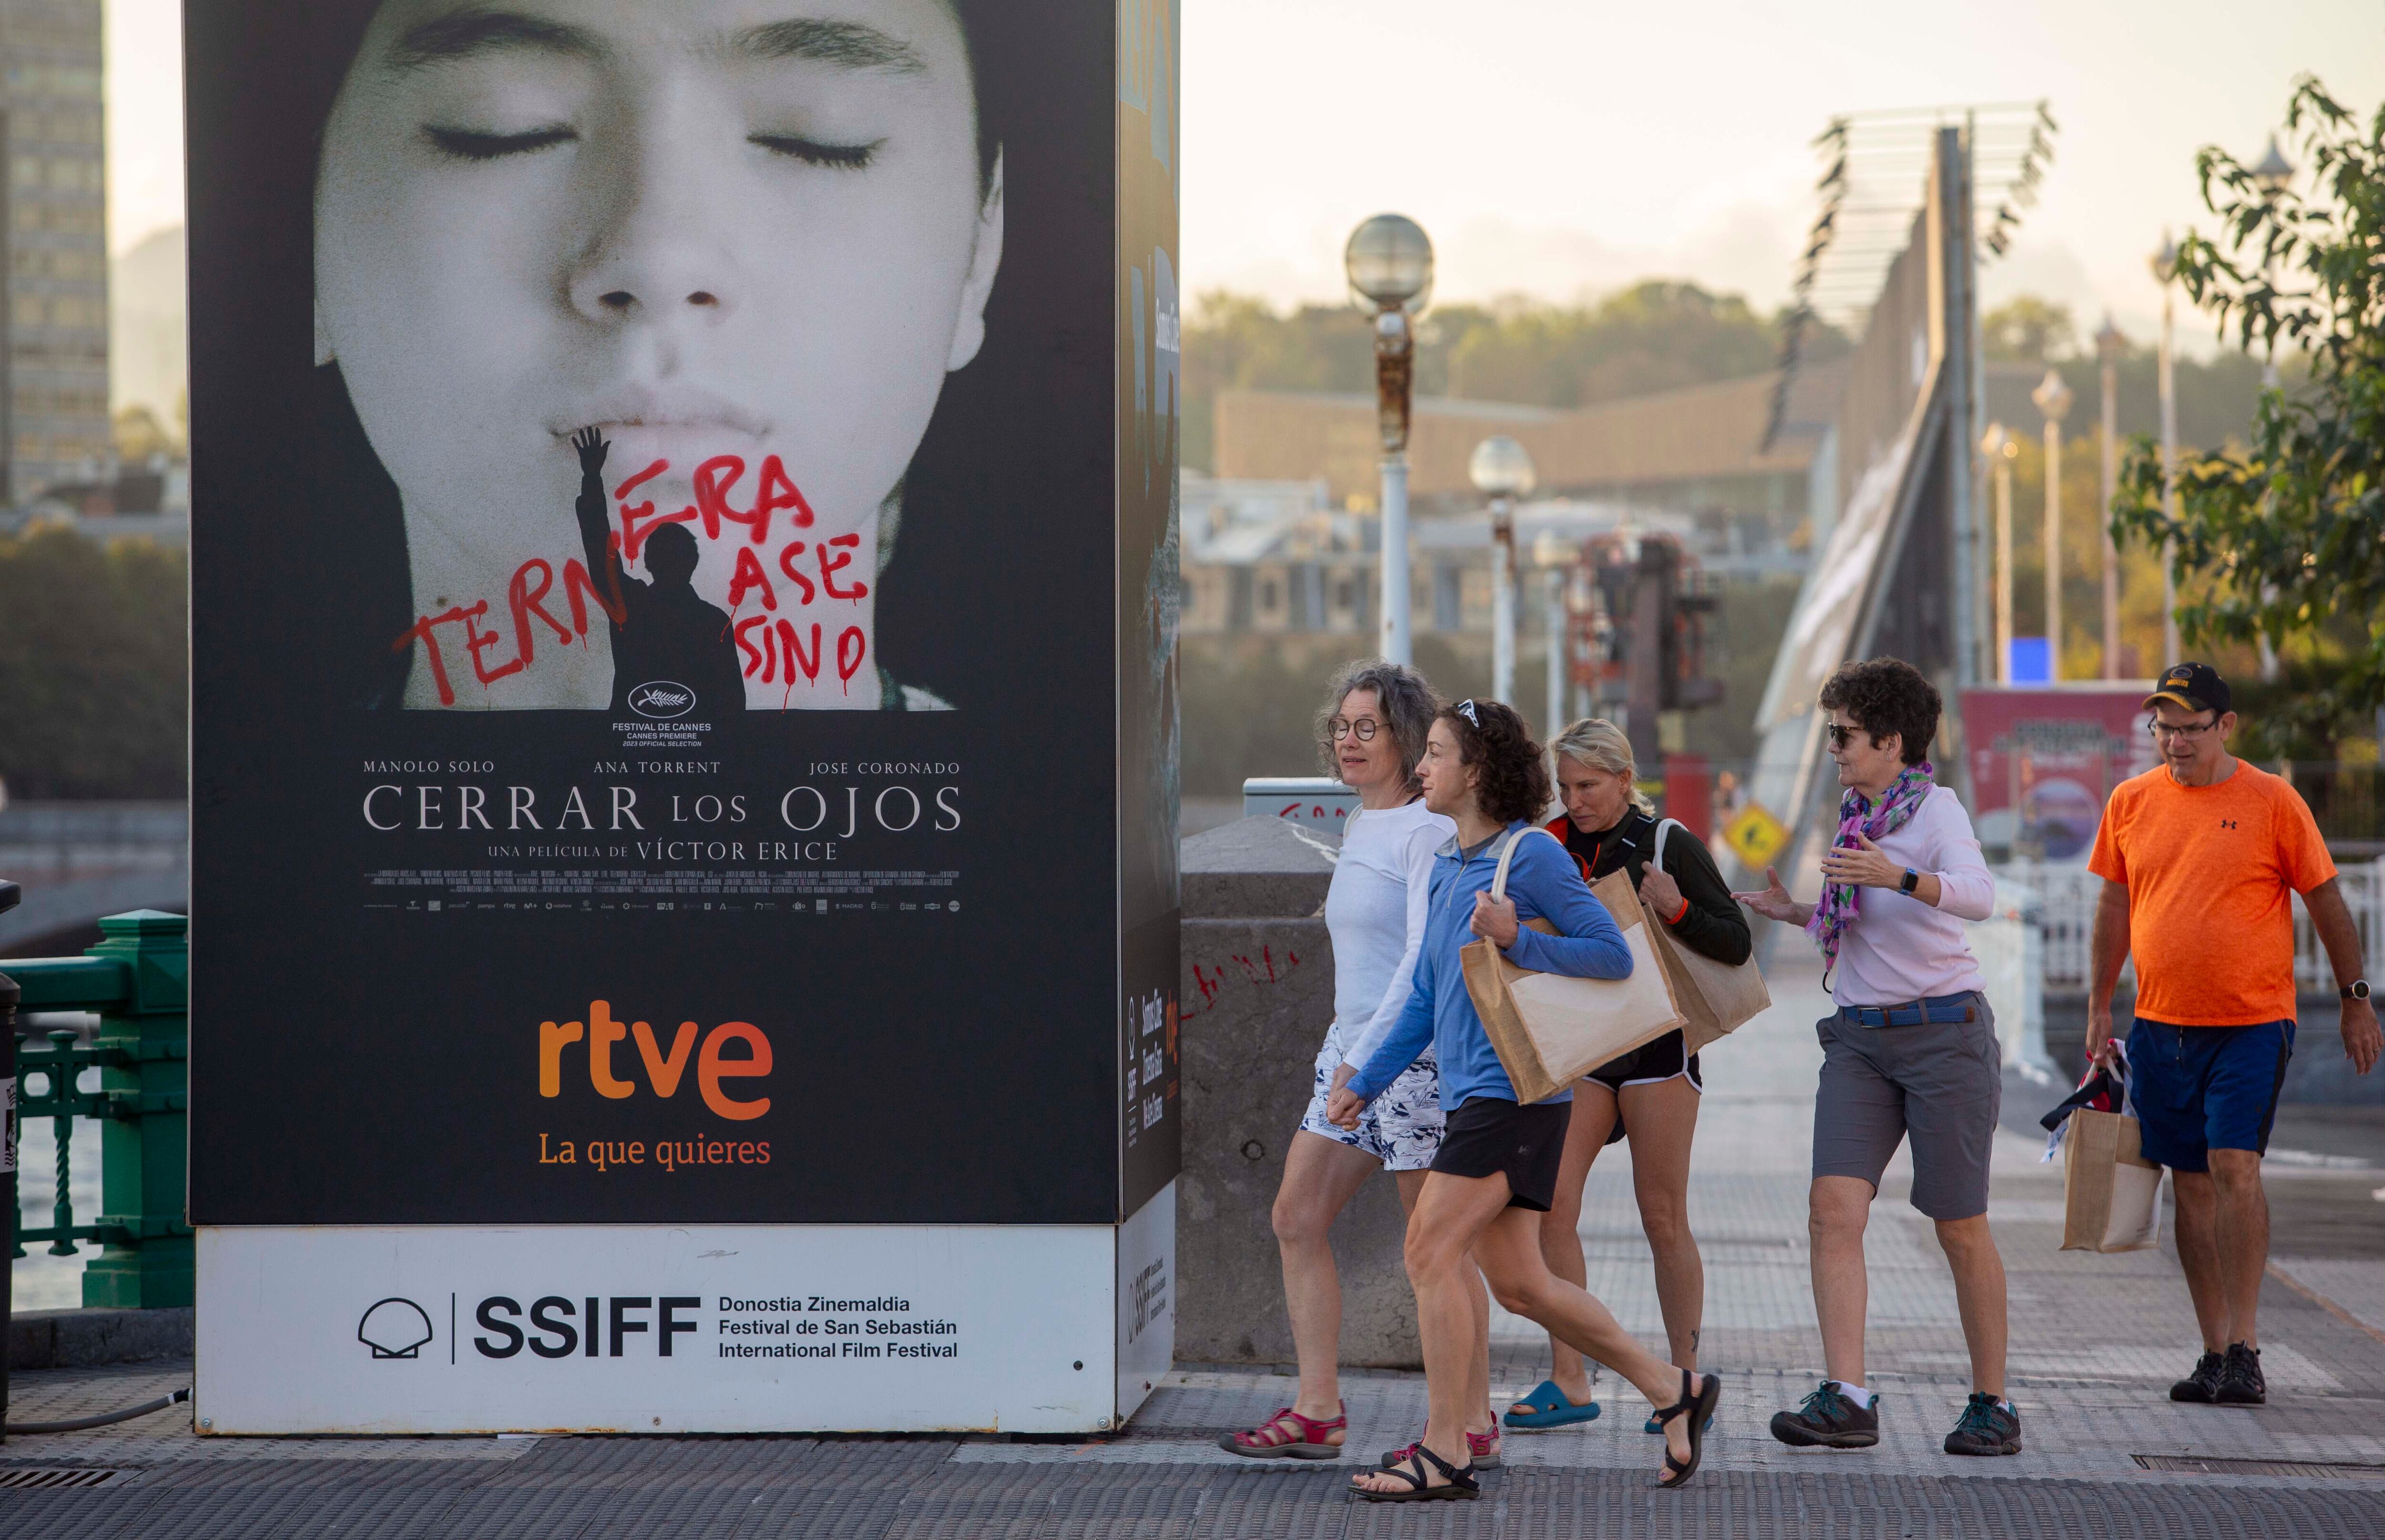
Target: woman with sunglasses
x,y
1371,732
1496,1171
1653,1092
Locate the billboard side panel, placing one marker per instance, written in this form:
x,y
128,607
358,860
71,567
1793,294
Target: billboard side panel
x,y
1149,595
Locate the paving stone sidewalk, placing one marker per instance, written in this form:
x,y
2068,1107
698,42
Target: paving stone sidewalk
x,y
2096,1341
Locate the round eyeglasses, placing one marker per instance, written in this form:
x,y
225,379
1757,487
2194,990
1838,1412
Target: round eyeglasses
x,y
1342,727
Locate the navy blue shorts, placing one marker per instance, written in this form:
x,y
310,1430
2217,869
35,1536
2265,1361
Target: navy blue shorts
x,y
2199,1088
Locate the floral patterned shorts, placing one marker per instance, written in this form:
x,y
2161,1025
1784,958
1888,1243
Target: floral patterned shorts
x,y
1401,1127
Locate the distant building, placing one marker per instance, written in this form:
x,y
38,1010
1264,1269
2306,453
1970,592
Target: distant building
x,y
1272,558
1698,449
54,413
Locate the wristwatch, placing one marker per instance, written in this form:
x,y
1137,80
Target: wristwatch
x,y
2356,989
1911,880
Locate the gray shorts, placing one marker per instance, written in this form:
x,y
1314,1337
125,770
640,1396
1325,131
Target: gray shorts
x,y
1941,1082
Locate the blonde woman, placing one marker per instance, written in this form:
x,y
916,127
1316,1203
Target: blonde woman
x,y
1651,1094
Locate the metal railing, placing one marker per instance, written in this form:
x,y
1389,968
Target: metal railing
x,y
2067,896
136,979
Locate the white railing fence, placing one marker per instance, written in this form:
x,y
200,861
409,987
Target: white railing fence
x,y
2064,906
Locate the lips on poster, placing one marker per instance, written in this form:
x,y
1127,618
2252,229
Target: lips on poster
x,y
645,306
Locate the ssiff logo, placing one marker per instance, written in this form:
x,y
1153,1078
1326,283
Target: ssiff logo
x,y
394,1328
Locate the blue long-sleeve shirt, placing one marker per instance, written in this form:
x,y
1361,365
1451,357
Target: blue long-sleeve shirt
x,y
1544,883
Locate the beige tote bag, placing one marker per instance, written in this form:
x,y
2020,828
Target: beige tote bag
x,y
1716,997
1549,1029
2111,1194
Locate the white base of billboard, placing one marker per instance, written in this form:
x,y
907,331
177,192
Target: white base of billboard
x,y
438,1329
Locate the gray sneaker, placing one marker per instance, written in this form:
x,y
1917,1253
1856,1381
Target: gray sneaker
x,y
1989,1427
2200,1386
2240,1383
1828,1418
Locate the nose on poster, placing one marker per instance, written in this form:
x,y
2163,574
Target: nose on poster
x,y
684,609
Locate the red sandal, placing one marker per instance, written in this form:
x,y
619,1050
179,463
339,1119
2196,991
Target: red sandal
x,y
1482,1449
1272,1439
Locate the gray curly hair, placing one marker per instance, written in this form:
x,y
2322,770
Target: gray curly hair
x,y
1407,701
1602,745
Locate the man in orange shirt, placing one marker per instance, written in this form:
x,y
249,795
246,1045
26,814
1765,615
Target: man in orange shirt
x,y
2198,858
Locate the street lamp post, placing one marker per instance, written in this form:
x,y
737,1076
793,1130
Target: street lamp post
x,y
1555,558
2108,344
2272,175
1998,446
1390,263
2165,264
1501,471
2053,398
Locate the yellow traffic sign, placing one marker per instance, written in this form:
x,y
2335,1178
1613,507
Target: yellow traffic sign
x,y
1755,834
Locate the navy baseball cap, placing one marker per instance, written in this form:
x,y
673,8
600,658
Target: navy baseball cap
x,y
2194,686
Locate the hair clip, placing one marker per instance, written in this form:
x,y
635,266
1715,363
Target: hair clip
x,y
1466,710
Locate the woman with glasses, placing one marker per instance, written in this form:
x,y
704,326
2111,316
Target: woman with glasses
x,y
1496,1171
1650,1093
1372,731
1909,1050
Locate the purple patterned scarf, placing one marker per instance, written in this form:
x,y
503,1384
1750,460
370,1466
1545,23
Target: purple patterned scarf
x,y
1841,902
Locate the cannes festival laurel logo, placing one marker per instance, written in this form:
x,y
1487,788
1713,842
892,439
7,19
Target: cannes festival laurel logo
x,y
661,698
394,1328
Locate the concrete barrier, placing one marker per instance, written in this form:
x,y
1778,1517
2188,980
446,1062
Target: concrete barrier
x,y
1258,996
74,1339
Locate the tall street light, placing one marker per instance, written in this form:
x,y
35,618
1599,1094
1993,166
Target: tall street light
x,y
2272,175
2108,344
2165,265
1556,559
1390,263
1999,448
1502,472
2053,398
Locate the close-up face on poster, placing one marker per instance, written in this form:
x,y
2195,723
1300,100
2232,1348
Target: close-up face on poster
x,y
683,607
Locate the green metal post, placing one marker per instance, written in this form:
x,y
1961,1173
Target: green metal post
x,y
144,1182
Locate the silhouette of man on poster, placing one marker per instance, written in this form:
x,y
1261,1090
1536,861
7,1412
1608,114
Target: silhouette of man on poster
x,y
662,631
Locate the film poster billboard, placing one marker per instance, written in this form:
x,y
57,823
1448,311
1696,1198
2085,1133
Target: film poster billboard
x,y
2044,761
683,620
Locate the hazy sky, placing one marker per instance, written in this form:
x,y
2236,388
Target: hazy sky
x,y
1559,146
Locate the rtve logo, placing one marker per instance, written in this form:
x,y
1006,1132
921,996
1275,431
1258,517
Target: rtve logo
x,y
664,1070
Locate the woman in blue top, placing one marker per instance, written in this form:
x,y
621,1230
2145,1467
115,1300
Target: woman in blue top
x,y
1496,1170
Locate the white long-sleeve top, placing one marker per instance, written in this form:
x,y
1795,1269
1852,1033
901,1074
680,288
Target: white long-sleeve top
x,y
1375,912
1901,950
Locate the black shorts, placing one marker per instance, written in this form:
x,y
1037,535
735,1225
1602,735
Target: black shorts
x,y
1487,1136
1649,1064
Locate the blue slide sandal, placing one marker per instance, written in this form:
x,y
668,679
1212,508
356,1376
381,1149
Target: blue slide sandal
x,y
1551,1409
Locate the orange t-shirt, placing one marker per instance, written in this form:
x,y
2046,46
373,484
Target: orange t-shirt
x,y
2207,869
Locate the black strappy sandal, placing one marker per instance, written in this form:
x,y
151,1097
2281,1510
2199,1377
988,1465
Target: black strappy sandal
x,y
1699,1409
1461,1483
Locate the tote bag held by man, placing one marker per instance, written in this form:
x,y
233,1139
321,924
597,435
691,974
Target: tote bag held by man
x,y
1549,1029
1716,997
2111,1194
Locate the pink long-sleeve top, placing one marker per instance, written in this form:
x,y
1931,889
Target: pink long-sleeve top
x,y
1901,950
